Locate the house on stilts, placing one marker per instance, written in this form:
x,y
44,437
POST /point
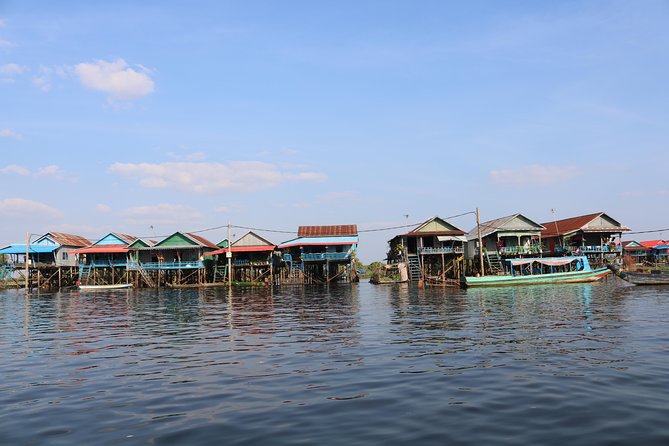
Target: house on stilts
x,y
595,235
320,254
503,238
251,261
50,264
105,262
177,260
434,251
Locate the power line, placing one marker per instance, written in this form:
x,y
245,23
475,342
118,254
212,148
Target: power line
x,y
647,232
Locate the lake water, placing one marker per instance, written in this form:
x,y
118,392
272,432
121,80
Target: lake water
x,y
360,364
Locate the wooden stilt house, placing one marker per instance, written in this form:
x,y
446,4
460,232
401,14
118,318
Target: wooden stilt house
x,y
51,266
433,250
594,235
105,261
506,237
320,254
251,260
178,260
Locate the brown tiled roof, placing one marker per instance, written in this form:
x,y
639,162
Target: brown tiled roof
x,y
327,231
568,225
202,241
69,239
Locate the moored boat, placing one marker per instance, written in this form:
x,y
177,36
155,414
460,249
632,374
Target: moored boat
x,y
536,271
118,286
653,277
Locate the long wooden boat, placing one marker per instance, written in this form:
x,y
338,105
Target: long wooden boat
x,y
118,286
536,271
654,277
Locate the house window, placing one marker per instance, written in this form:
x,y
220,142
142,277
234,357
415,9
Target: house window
x,y
64,256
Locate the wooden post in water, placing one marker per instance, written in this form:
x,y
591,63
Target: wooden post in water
x,y
478,230
228,254
27,271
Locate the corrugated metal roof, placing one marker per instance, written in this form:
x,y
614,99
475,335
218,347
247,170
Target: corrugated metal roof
x,y
327,241
68,239
201,240
502,224
125,237
263,248
327,231
574,224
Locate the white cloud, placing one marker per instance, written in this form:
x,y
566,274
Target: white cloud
x,y
194,156
48,170
16,169
116,79
103,208
12,69
242,176
535,174
51,170
163,214
20,207
9,133
5,43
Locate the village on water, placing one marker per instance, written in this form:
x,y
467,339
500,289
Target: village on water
x,y
435,252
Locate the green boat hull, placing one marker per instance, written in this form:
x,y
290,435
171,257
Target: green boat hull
x,y
537,279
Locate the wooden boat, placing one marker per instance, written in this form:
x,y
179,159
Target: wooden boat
x,y
654,277
536,271
118,286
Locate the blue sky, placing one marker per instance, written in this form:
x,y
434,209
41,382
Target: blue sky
x,y
122,116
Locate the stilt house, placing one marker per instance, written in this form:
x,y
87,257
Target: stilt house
x,y
251,260
322,254
434,248
595,235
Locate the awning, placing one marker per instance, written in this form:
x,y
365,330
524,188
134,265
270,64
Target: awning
x,y
242,249
451,238
18,248
101,249
547,262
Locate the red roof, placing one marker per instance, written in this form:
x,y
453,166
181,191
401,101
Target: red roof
x,y
652,243
327,231
568,225
202,240
101,249
242,249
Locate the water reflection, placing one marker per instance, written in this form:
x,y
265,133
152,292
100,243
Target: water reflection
x,y
216,365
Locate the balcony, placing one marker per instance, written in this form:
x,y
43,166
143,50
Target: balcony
x,y
519,250
152,266
445,250
325,256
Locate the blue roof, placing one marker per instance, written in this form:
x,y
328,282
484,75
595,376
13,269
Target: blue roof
x,y
34,249
302,241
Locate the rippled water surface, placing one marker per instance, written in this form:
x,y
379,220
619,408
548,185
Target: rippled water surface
x,y
570,364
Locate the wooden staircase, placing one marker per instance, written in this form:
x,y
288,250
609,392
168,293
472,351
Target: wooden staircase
x,y
220,273
494,263
415,272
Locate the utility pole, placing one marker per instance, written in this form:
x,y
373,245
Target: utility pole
x,y
478,230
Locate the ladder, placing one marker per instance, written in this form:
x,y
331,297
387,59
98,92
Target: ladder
x,y
220,273
414,267
494,263
145,275
6,272
85,269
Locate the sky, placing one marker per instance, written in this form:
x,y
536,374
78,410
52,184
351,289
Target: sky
x,y
151,117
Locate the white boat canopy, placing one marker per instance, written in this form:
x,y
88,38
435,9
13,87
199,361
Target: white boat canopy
x,y
454,238
548,262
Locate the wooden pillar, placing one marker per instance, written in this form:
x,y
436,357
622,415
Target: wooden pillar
x,y
478,230
60,279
